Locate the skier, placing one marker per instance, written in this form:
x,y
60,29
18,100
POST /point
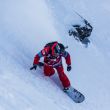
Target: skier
x,y
53,53
81,32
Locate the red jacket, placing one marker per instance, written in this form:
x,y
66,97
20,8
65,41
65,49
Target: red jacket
x,y
50,60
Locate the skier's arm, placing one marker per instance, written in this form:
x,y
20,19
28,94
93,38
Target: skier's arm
x,y
66,55
37,58
39,55
36,61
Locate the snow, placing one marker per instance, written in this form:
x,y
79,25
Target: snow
x,y
25,27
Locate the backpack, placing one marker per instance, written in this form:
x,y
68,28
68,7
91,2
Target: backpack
x,y
50,44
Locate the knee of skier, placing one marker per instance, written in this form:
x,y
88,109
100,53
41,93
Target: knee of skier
x,y
49,71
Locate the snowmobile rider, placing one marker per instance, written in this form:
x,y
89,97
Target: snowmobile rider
x,y
53,53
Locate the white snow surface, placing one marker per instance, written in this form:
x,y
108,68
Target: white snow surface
x,y
25,27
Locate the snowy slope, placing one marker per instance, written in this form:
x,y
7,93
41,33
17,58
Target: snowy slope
x,y
90,66
25,27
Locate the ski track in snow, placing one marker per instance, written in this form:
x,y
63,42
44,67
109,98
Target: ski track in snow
x,y
25,27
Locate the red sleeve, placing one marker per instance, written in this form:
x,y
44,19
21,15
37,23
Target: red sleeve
x,y
68,60
39,55
36,59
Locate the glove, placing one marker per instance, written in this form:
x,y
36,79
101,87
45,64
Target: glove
x,y
34,67
69,68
